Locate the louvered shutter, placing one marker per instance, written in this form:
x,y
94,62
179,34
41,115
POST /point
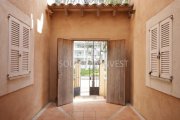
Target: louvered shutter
x,y
14,46
154,48
19,47
25,49
166,48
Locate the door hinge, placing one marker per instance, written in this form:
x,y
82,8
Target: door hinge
x,y
171,78
158,56
172,17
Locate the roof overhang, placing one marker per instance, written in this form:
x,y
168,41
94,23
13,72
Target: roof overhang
x,y
66,8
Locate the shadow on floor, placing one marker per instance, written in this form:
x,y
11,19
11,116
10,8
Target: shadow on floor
x,y
89,110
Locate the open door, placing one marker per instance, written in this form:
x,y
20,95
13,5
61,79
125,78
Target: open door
x,y
65,72
116,72
77,78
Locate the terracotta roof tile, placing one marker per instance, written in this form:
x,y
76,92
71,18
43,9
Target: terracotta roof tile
x,y
106,7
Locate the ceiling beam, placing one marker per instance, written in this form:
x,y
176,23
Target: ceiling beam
x,y
91,8
66,12
49,12
98,12
114,13
82,12
130,13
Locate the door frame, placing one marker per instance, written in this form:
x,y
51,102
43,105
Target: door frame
x,y
76,39
91,39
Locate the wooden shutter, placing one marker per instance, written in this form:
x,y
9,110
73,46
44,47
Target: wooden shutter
x,y
19,47
25,48
166,48
154,51
14,46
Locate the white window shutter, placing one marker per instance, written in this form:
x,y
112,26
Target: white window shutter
x,y
166,48
19,48
154,51
14,46
25,49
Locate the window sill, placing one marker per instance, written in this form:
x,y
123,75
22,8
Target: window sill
x,y
19,76
162,79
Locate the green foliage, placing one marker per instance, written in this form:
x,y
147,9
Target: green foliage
x,y
87,72
113,1
93,1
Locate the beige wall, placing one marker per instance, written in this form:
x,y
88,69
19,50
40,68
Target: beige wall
x,y
152,104
23,104
26,102
105,27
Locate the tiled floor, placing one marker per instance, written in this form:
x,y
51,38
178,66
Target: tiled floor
x,y
89,110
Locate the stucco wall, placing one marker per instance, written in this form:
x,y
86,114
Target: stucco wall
x,y
88,27
152,104
23,104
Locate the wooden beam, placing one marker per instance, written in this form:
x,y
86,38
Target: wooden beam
x,y
91,8
114,13
98,12
49,12
67,9
66,12
82,12
131,12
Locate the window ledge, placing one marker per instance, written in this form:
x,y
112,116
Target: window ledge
x,y
162,79
19,76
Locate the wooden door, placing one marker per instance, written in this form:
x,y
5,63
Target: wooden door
x,y
116,72
65,72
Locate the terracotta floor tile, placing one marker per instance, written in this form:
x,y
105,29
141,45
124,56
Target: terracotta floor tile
x,y
127,114
88,111
101,118
89,118
103,114
78,114
89,114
